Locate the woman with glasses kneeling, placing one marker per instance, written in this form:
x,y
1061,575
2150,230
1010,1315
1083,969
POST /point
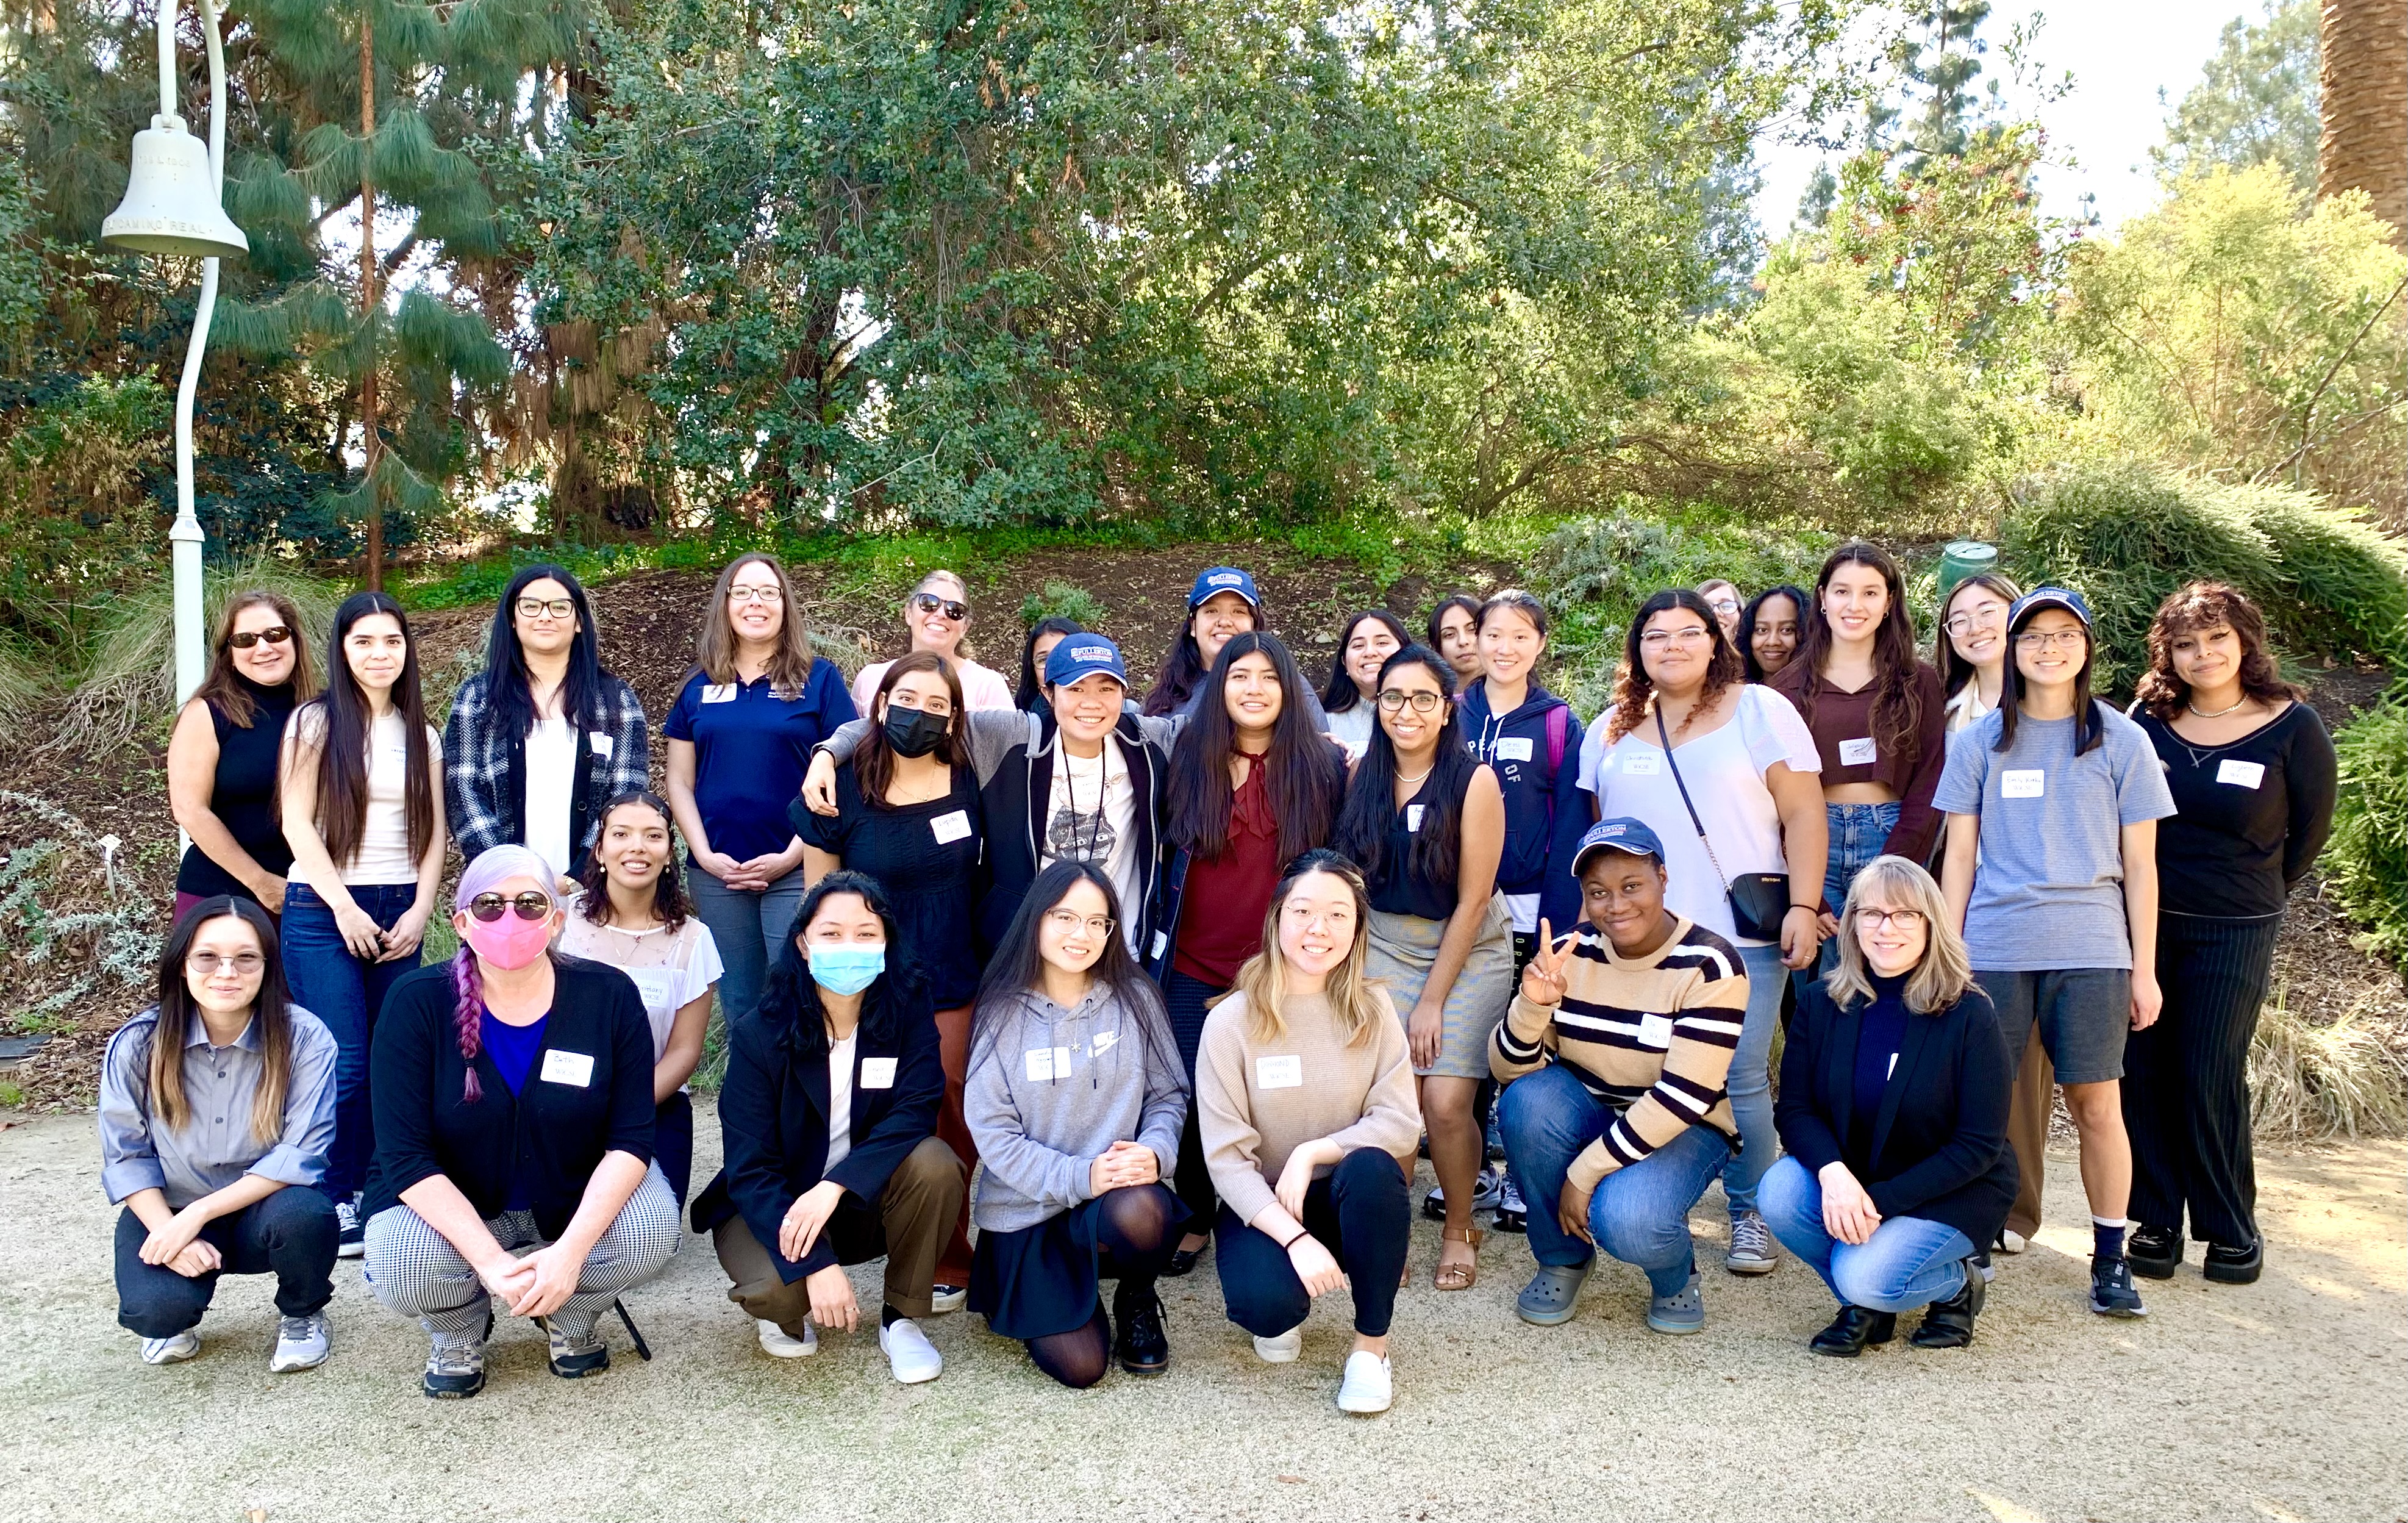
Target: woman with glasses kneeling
x,y
1894,1111
513,1099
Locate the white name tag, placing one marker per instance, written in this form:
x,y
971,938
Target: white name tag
x,y
656,985
599,743
950,828
1161,939
1656,1031
719,692
1513,748
1413,818
1639,766
1283,1073
1857,753
1047,1063
2242,774
573,1069
2020,783
877,1074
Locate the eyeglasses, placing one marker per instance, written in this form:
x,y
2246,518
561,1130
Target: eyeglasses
x,y
1987,618
536,607
1425,701
274,634
930,603
771,594
1905,920
207,963
1655,639
2050,640
1066,921
531,905
1724,605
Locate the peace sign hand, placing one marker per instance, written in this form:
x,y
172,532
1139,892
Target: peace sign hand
x,y
1544,980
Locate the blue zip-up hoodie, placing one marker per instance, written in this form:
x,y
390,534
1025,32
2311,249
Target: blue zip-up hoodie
x,y
1545,813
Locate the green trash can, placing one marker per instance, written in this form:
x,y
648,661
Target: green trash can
x,y
1962,558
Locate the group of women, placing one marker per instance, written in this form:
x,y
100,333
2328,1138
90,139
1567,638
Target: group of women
x,y
1201,969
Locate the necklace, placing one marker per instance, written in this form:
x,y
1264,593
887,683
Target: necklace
x,y
2220,712
1419,775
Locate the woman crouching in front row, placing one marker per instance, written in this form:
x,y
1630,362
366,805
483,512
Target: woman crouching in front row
x,y
1894,1112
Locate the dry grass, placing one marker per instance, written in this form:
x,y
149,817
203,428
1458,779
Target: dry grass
x,y
2312,1081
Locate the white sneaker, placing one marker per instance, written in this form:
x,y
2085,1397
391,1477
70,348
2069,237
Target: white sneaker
x,y
1282,1350
1369,1385
177,1349
2010,1242
300,1344
778,1345
909,1353
947,1297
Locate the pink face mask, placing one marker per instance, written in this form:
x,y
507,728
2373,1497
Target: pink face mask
x,y
509,943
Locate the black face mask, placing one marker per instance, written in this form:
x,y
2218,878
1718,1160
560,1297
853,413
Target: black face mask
x,y
915,732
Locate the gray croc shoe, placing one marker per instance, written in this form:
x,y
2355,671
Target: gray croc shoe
x,y
1547,1299
1682,1312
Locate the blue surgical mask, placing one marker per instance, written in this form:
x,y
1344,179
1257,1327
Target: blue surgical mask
x,y
848,968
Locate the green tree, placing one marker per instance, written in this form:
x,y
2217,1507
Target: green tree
x,y
2255,103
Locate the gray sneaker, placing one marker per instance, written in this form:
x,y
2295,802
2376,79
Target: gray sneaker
x,y
300,1344
1752,1248
1547,1300
1683,1312
455,1367
1488,1188
175,1350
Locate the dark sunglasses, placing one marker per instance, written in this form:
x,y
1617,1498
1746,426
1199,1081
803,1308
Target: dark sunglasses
x,y
530,905
930,603
274,634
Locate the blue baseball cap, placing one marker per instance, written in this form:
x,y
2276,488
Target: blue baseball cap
x,y
2040,597
1083,655
1220,579
1619,834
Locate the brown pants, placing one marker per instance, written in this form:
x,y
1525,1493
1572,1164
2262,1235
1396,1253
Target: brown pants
x,y
954,1130
907,1223
2028,1114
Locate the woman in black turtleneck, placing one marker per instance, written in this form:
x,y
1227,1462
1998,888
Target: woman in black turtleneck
x,y
221,759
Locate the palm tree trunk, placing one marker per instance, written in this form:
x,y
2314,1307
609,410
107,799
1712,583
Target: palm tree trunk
x,y
368,301
2363,145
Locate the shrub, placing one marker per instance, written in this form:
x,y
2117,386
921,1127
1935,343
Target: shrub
x,y
1063,601
2311,1080
2366,863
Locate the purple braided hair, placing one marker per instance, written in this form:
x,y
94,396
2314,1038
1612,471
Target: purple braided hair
x,y
496,864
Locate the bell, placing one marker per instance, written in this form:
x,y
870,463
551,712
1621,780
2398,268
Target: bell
x,y
171,201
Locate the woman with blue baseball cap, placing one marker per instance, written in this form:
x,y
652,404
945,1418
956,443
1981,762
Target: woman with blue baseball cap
x,y
1220,606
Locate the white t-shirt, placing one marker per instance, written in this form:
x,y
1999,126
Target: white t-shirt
x,y
1092,817
841,1099
384,855
982,688
1352,727
1725,772
670,969
551,784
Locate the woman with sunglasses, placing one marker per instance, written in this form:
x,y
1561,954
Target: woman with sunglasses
x,y
1425,821
631,913
222,757
740,736
1350,700
1076,1100
937,615
216,1105
514,1137
543,735
362,784
2051,872
1725,773
1770,629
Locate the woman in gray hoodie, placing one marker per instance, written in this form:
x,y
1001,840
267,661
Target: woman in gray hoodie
x,y
1075,1096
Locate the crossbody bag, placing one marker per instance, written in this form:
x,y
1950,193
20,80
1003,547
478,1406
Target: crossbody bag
x,y
1758,900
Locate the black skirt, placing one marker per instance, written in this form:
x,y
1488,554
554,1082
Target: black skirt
x,y
1041,1280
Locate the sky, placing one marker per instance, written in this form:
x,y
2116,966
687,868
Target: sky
x,y
2120,52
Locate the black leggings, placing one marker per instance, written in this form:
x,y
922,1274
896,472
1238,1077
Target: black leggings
x,y
1188,1001
1133,1227
1362,1212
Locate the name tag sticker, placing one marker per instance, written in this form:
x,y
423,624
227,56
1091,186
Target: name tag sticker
x,y
2242,774
719,692
1413,818
1513,748
1283,1073
2020,783
599,743
877,1074
1641,765
1048,1063
1859,752
573,1069
951,827
1161,940
1656,1031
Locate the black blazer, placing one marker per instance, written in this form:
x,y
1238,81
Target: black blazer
x,y
1939,1143
773,1119
550,1135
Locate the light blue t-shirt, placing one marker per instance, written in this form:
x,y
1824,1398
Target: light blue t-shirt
x,y
2049,890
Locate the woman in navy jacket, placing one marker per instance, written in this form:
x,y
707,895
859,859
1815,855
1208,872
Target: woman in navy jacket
x,y
1526,734
828,1119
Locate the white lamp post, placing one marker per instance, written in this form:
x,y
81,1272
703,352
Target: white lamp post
x,y
173,206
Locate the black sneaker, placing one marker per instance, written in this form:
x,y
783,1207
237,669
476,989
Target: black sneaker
x,y
1512,1216
2235,1265
351,1235
1143,1347
456,1368
2154,1252
2112,1291
1434,1204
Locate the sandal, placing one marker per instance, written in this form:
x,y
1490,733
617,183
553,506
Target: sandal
x,y
1461,1276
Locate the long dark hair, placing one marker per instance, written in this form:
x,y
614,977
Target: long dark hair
x,y
1897,704
1634,689
1955,670
1748,663
2089,722
1342,695
271,1020
669,900
1032,682
1304,779
1465,601
790,1000
873,765
1184,669
508,687
223,689
343,744
2203,605
1018,965
1362,833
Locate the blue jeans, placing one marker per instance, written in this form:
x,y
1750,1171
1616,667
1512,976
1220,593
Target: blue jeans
x,y
1909,1262
1751,1078
1859,833
750,927
1639,1214
347,995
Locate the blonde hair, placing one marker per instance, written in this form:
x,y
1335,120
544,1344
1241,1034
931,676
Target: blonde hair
x,y
961,646
1263,980
1946,971
714,648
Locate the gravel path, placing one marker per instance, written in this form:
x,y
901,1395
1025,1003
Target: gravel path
x,y
2282,1400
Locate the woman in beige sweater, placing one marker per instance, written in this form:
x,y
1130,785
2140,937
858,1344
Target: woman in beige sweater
x,y
1304,1090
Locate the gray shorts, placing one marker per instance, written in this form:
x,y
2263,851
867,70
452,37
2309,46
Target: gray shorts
x,y
2083,1014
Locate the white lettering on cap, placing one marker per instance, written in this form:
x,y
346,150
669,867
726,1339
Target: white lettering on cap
x,y
1226,578
1091,652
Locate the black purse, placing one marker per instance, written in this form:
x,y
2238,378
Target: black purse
x,y
1759,901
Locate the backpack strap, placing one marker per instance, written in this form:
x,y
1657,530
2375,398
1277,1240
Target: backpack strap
x,y
1559,722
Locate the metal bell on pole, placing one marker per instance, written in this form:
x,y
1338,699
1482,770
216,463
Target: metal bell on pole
x,y
171,200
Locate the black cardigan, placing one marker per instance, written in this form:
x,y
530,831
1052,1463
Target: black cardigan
x,y
551,1134
773,1120
1939,1143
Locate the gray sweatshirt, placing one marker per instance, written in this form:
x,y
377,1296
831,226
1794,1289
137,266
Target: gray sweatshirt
x,y
1049,1090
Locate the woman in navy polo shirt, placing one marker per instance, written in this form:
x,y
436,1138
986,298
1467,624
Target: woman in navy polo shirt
x,y
740,736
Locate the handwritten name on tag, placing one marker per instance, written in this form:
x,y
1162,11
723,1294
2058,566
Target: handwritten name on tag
x,y
719,692
2242,774
1285,1072
573,1069
1638,764
950,828
1513,748
2021,783
1859,752
877,1074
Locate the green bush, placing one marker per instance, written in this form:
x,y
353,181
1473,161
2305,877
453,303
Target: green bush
x,y
2365,864
1063,601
